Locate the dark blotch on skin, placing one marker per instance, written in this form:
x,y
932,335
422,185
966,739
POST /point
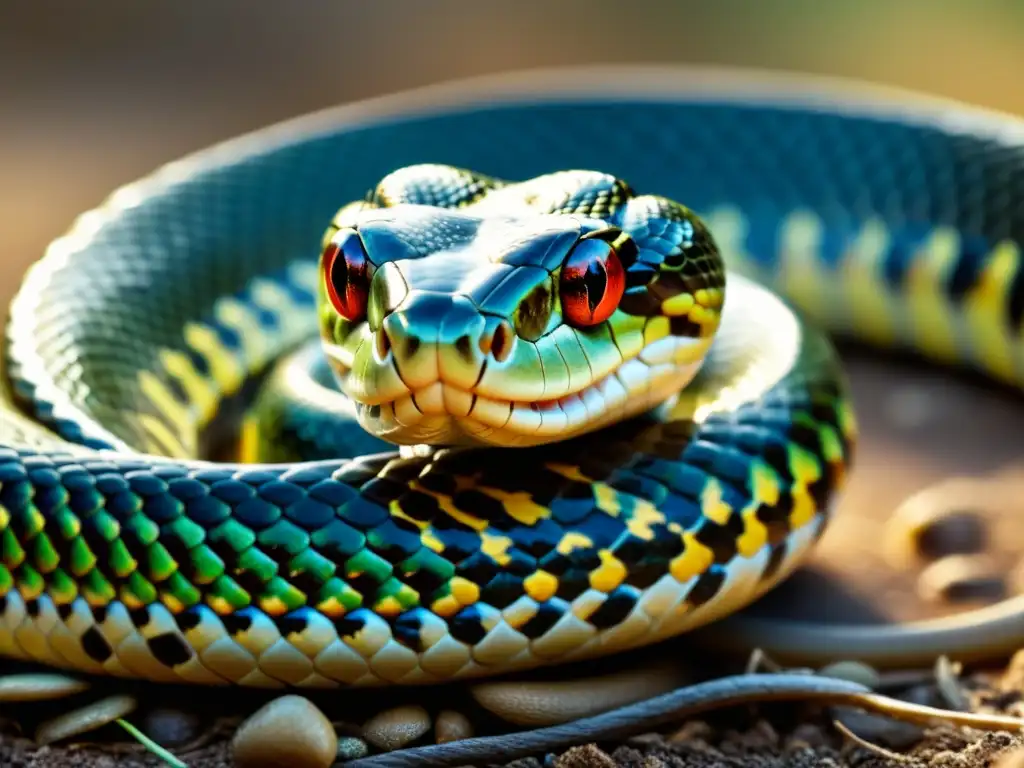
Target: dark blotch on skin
x,y
533,312
170,649
95,646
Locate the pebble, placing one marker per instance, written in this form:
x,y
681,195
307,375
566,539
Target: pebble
x,y
541,703
852,671
588,756
692,731
452,726
288,732
397,727
171,727
352,748
910,407
962,578
938,521
39,687
84,719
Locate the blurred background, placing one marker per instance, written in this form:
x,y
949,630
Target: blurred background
x,y
95,94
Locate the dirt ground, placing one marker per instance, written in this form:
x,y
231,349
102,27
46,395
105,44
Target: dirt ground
x,y
774,736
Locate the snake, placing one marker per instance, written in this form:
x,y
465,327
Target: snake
x,y
510,373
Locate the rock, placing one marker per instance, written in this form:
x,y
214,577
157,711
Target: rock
x,y
171,727
540,703
352,748
397,727
84,719
288,732
692,731
588,756
39,687
452,726
943,519
852,671
962,578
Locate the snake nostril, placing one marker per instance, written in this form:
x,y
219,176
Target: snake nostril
x,y
501,343
497,339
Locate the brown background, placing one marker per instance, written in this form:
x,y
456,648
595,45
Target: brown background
x,y
94,94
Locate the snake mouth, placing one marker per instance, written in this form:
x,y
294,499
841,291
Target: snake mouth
x,y
445,414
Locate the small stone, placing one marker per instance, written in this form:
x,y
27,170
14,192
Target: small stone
x,y
397,727
692,731
541,703
588,756
171,727
962,578
288,732
941,520
910,407
87,718
452,726
39,687
807,735
352,748
852,671
926,695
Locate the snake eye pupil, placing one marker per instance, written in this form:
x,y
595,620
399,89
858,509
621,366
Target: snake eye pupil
x,y
346,275
592,283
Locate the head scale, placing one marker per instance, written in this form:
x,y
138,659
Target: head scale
x,y
458,309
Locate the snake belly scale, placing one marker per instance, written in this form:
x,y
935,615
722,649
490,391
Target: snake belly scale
x,y
550,527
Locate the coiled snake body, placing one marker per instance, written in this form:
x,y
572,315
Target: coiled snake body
x,y
517,324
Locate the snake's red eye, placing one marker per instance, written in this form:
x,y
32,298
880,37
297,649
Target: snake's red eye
x,y
593,281
346,274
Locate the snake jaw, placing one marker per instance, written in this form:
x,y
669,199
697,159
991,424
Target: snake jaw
x,y
443,412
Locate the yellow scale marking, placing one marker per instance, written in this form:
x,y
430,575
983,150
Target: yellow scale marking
x,y
200,389
693,561
729,228
805,470
992,339
496,547
241,318
225,369
541,586
571,541
764,489
643,516
867,293
803,276
712,505
932,321
610,574
519,505
172,409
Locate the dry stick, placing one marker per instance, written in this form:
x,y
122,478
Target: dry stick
x,y
690,700
861,742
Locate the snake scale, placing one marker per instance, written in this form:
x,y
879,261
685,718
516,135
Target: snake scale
x,y
614,429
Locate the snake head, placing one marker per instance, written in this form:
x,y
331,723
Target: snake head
x,y
458,309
